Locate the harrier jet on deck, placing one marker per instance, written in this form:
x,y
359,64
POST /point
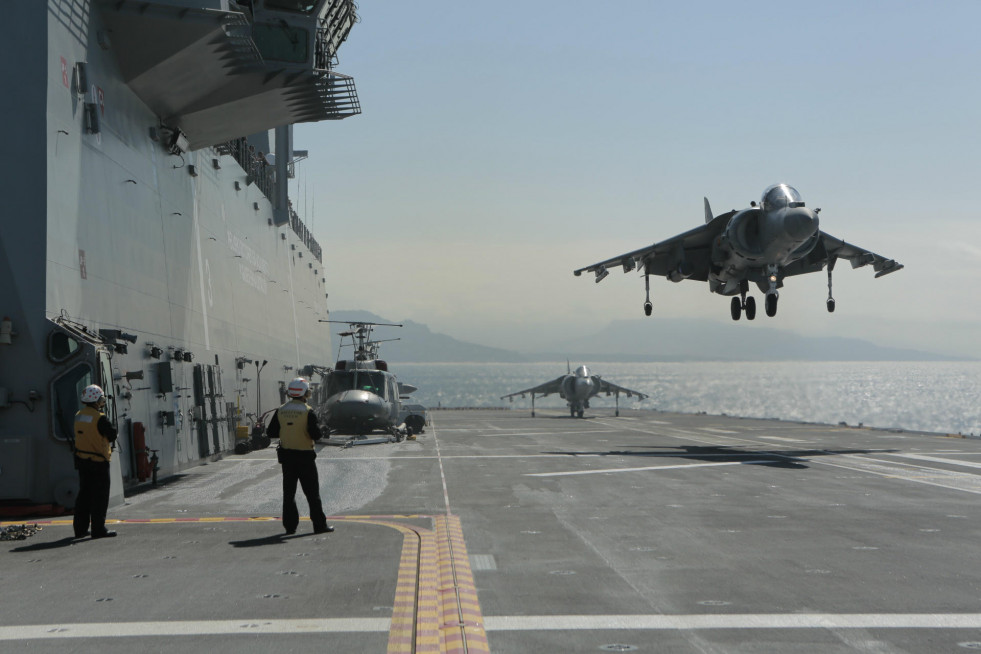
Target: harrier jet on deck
x,y
762,244
576,388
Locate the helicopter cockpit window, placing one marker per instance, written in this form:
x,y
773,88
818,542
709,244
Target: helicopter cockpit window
x,y
340,381
373,382
61,346
780,196
356,380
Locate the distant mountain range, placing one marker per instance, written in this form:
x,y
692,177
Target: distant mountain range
x,y
417,343
664,339
676,339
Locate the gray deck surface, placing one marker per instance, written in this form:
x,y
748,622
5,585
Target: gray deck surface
x,y
655,531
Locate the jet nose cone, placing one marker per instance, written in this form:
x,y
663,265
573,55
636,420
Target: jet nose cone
x,y
800,223
583,386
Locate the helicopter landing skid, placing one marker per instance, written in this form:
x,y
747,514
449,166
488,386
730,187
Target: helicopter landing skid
x,y
363,439
358,440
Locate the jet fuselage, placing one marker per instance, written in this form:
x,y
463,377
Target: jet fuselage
x,y
760,241
577,388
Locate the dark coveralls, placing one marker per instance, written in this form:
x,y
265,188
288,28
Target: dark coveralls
x,y
94,435
295,424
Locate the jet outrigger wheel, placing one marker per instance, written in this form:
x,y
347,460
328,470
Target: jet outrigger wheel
x,y
831,300
648,307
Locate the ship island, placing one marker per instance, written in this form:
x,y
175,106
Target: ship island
x,y
148,241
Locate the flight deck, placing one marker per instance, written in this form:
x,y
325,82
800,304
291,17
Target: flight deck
x,y
496,531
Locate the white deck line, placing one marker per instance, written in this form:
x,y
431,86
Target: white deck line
x,y
737,621
685,465
501,623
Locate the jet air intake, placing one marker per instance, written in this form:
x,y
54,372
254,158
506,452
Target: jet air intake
x,y
743,233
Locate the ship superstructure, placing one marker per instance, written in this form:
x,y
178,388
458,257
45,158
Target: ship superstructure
x,y
147,240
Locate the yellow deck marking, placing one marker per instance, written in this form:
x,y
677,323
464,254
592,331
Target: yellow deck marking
x,y
435,608
462,625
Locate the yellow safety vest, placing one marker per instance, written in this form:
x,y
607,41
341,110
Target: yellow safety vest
x,y
89,442
293,433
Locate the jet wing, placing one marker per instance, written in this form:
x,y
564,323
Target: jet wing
x,y
829,249
604,386
542,389
692,248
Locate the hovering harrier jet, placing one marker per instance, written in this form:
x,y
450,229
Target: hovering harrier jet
x,y
762,244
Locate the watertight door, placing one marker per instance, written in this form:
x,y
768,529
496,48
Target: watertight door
x,y
122,446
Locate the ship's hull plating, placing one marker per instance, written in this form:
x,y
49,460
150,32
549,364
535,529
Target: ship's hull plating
x,y
111,231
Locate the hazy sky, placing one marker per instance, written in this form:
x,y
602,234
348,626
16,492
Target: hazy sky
x,y
502,145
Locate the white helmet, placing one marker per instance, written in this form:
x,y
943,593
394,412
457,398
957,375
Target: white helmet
x,y
298,387
92,394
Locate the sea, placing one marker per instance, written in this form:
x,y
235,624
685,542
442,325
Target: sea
x,y
940,397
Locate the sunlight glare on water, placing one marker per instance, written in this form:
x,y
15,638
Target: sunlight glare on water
x,y
917,396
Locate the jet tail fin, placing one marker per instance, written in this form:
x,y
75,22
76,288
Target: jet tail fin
x,y
568,366
708,211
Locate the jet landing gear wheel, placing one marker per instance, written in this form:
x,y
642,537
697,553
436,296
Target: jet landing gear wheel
x,y
580,413
648,308
771,304
831,305
743,303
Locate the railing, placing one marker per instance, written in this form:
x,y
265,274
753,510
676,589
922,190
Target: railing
x,y
257,169
259,172
306,236
342,95
335,25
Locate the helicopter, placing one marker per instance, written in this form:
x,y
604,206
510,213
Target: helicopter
x,y
360,395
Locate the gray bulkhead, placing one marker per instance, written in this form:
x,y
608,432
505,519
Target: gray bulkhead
x,y
112,232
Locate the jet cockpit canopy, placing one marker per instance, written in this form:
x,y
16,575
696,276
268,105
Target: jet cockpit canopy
x,y
582,371
780,196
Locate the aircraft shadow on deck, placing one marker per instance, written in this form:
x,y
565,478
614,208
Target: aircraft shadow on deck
x,y
788,459
68,541
273,539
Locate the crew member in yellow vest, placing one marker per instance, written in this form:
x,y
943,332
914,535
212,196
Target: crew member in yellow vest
x,y
94,435
295,425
